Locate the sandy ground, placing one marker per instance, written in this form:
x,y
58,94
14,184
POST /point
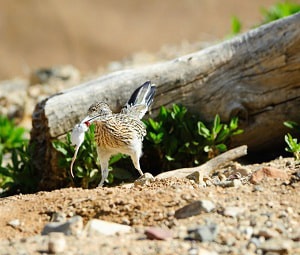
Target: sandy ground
x,y
268,210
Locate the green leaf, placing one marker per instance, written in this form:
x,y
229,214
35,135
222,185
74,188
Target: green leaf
x,y
291,124
163,113
202,130
169,158
221,147
236,25
59,147
233,123
216,126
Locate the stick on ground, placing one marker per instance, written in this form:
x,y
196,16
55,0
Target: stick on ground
x,y
206,168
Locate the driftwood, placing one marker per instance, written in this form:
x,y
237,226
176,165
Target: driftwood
x,y
255,76
209,166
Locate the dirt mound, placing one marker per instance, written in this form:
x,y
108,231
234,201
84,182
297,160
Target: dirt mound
x,y
247,218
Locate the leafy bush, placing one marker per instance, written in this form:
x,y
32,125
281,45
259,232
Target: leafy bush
x,y
177,139
275,12
219,135
16,174
11,136
279,10
292,143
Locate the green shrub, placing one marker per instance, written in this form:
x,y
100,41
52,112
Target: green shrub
x,y
279,10
275,12
292,143
177,139
11,136
16,174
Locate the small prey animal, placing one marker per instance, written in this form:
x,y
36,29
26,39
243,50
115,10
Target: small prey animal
x,y
117,132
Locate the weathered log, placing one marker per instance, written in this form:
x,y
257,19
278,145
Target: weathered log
x,y
255,76
208,167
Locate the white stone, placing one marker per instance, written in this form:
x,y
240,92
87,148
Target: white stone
x,y
57,242
233,211
96,227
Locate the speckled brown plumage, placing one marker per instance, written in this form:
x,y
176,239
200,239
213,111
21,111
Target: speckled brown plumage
x,y
121,132
118,130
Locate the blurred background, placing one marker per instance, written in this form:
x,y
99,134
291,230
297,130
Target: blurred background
x,y
91,33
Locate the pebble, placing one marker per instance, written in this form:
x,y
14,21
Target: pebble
x,y
258,188
268,172
277,245
56,243
200,251
237,183
72,226
58,217
267,233
14,223
205,233
247,231
155,233
197,177
96,227
143,180
233,211
254,241
194,208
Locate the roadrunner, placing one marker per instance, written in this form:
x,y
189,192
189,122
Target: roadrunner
x,y
122,132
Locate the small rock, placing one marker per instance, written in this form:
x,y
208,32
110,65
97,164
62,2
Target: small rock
x,y
14,223
155,233
237,183
200,251
255,241
71,227
143,180
125,221
268,172
277,245
57,242
207,206
258,188
197,176
242,170
247,231
205,233
233,211
194,208
96,227
226,183
267,233
58,217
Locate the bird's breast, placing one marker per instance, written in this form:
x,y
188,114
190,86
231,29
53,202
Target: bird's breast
x,y
118,132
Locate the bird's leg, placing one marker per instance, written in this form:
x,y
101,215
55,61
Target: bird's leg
x,y
104,160
135,157
104,174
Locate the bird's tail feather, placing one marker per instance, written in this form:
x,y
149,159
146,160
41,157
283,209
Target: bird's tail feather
x,y
140,100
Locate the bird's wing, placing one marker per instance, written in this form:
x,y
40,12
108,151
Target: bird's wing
x,y
140,100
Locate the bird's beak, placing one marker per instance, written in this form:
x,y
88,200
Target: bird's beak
x,y
88,119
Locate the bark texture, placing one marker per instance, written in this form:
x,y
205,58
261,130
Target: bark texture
x,y
255,76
